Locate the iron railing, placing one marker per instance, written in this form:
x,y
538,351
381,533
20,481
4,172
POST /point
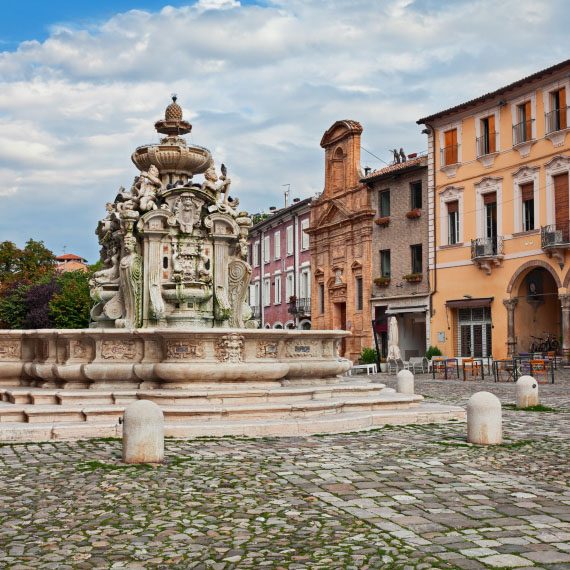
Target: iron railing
x,y
487,247
556,120
487,144
522,132
300,306
450,155
555,235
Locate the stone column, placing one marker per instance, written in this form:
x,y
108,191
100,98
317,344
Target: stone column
x,y
510,305
565,302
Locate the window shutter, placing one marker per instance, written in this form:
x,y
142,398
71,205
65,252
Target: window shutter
x,y
452,207
490,198
562,100
527,191
492,134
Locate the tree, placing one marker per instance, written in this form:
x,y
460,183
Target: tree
x,y
70,307
13,306
37,304
31,263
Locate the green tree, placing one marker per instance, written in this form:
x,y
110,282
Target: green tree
x,y
29,264
69,308
13,305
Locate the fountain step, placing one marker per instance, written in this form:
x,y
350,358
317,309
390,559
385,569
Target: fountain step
x,y
250,427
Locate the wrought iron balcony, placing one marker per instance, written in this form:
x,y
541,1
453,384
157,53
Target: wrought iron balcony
x,y
300,307
556,120
522,132
487,253
450,155
555,240
487,144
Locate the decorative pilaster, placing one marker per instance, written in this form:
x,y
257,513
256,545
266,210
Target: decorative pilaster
x,y
510,305
565,303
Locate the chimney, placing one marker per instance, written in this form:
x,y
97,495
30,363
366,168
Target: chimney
x,y
295,200
367,170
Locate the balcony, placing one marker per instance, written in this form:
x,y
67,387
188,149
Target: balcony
x,y
555,125
487,148
300,307
487,253
449,159
555,240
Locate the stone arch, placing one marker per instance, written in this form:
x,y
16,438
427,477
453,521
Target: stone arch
x,y
533,264
567,279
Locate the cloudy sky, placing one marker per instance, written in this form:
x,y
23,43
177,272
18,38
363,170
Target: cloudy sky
x,y
81,84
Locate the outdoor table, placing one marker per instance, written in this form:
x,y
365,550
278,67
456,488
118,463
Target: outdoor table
x,y
448,367
508,366
475,366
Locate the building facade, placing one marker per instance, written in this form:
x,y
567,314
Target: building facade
x,y
280,289
341,242
499,218
400,283
70,262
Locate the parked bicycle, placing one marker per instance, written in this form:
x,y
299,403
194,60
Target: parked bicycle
x,y
545,343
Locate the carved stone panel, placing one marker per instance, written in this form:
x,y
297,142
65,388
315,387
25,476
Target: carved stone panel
x,y
78,349
266,349
118,349
180,350
9,349
303,348
230,348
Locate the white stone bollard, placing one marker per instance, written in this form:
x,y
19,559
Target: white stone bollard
x,y
143,433
405,382
484,419
527,392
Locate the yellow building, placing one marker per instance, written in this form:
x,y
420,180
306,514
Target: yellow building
x,y
499,220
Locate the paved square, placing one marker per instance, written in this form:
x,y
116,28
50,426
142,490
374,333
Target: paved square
x,y
398,497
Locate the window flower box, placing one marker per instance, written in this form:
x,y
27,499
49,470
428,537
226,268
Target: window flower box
x,y
414,214
382,222
382,281
413,277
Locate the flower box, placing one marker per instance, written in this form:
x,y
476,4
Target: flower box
x,y
382,281
383,222
414,214
413,277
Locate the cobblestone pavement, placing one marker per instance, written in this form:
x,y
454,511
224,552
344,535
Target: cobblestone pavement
x,y
414,497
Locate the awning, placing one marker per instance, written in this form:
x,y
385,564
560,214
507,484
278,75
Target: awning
x,y
470,303
397,310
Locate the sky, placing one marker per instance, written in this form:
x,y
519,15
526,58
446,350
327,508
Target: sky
x,y
82,83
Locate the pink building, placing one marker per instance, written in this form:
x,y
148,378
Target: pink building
x,y
280,290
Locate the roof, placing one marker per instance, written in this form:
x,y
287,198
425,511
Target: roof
x,y
281,212
69,257
398,168
498,92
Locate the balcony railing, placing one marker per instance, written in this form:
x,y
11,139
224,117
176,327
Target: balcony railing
x,y
487,247
556,120
487,144
522,132
300,306
555,235
450,155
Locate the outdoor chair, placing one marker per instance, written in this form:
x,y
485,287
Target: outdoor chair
x,y
418,364
472,368
539,370
395,365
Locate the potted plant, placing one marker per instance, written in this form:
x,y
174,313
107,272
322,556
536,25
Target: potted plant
x,y
413,277
433,351
414,214
383,365
382,281
382,222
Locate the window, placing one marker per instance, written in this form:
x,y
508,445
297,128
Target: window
x,y
358,291
385,269
490,204
266,292
474,332
289,240
449,154
266,249
557,119
256,254
487,142
416,252
384,203
277,292
304,286
321,298
304,236
289,286
256,302
522,131
277,245
416,195
453,222
527,197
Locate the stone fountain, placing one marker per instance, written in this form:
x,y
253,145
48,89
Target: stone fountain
x,y
170,323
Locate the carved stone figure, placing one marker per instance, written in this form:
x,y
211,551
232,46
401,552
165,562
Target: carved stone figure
x,y
186,212
230,348
149,185
131,283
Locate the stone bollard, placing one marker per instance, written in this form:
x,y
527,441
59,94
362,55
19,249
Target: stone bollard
x,y
405,382
484,419
143,433
527,392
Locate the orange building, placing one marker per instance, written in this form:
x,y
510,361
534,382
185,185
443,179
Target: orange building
x,y
70,262
499,219
341,242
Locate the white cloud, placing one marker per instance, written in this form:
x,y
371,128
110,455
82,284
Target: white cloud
x,y
260,83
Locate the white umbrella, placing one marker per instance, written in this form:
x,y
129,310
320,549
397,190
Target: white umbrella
x,y
393,349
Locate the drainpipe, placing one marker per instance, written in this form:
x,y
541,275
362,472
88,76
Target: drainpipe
x,y
296,262
261,280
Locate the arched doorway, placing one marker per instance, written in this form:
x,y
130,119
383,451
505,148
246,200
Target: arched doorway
x,y
538,310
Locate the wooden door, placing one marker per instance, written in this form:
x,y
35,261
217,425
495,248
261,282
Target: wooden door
x,y
560,182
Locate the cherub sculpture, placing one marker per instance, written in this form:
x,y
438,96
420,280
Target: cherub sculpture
x,y
150,183
210,179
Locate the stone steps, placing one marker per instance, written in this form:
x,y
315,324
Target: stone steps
x,y
251,427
